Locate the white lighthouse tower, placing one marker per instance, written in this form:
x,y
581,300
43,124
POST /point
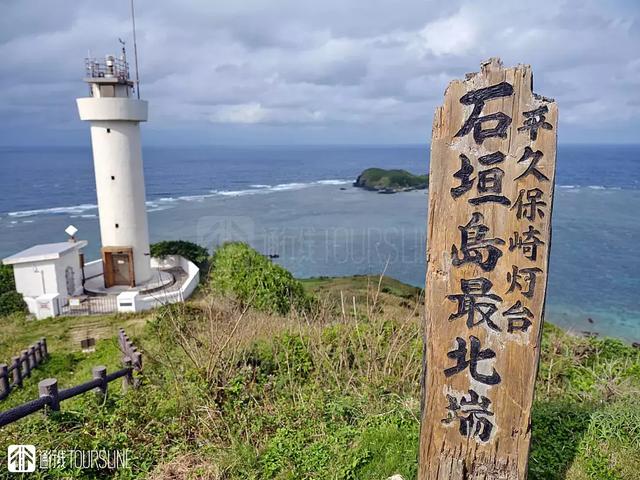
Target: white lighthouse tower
x,y
115,117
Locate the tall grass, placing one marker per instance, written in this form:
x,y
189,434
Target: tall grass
x,y
330,392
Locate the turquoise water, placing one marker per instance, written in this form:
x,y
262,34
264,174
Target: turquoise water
x,y
300,204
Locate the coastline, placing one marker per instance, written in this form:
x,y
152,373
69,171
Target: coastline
x,y
319,229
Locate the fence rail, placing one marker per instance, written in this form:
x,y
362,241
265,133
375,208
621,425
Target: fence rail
x,y
12,376
91,305
51,396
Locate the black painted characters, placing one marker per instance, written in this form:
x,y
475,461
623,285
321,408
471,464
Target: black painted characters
x,y
528,242
532,169
476,302
519,317
475,247
489,180
529,204
475,122
476,355
472,415
534,120
481,181
518,277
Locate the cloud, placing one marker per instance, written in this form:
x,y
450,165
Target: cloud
x,y
377,68
255,113
454,35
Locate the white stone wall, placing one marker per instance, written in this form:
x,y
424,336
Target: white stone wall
x,y
35,279
93,268
160,298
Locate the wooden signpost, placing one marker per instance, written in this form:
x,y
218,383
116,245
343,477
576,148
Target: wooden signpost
x,y
491,183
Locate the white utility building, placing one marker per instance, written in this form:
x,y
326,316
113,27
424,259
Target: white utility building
x,y
48,275
115,117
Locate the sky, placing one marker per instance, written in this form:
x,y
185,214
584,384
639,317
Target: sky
x,y
322,72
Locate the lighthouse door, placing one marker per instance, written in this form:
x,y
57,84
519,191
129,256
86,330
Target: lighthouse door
x,y
118,266
121,269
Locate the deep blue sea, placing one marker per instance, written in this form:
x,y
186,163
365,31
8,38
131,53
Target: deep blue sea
x,y
298,202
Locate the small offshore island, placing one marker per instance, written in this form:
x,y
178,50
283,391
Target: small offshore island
x,y
390,181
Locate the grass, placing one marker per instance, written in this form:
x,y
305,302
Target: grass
x,y
234,393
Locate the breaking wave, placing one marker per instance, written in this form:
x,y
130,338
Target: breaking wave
x,y
165,203
73,210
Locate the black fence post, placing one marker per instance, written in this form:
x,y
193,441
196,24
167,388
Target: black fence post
x,y
25,362
127,380
137,365
32,357
100,373
121,338
49,388
5,388
36,353
137,360
40,351
17,371
45,352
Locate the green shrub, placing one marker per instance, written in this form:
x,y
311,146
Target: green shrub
x,y
189,250
11,302
240,270
7,282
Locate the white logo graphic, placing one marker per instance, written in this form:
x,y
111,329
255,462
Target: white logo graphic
x,y
21,458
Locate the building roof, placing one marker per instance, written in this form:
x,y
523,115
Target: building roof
x,y
45,251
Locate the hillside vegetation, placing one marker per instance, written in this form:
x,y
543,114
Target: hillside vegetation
x,y
329,392
10,300
189,250
252,279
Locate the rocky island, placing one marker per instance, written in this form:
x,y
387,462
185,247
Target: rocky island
x,y
390,181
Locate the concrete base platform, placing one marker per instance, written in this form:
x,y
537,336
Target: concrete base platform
x,y
160,280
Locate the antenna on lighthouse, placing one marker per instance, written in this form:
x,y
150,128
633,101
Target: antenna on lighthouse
x,y
123,57
135,48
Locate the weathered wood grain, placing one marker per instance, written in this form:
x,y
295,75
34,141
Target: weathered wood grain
x,y
445,453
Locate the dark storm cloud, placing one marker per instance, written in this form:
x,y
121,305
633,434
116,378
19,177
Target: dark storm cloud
x,y
336,66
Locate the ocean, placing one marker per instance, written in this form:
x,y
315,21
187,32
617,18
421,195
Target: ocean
x,y
298,203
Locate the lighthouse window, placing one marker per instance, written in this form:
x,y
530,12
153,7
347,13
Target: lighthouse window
x,y
112,177
117,225
108,130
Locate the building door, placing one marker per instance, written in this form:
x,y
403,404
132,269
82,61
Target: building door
x,y
118,266
69,277
120,262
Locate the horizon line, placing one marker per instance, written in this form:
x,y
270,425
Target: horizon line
x,y
293,145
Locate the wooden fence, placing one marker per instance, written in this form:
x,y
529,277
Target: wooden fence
x,y
50,396
12,376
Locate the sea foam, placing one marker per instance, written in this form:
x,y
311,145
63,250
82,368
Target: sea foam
x,y
164,203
